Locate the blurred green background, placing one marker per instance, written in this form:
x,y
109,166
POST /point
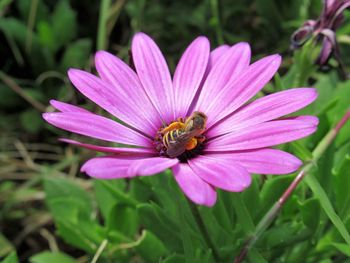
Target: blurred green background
x,y
50,212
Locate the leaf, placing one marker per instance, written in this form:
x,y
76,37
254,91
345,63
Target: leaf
x,y
341,183
9,99
64,24
157,222
52,257
5,246
272,190
124,219
251,197
301,151
77,236
46,36
60,192
76,55
25,6
327,206
116,193
343,248
310,212
71,208
40,57
174,258
150,247
31,120
104,197
11,258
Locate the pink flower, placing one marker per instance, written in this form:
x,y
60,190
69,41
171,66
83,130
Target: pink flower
x,y
218,84
323,30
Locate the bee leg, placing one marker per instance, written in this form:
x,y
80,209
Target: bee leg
x,y
201,138
173,126
191,144
181,119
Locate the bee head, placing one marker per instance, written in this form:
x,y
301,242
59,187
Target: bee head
x,y
197,121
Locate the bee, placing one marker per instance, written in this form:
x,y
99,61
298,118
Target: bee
x,y
180,136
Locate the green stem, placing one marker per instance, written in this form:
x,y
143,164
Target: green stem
x,y
200,223
266,221
102,25
216,18
30,26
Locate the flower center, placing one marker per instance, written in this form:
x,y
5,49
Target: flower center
x,y
183,138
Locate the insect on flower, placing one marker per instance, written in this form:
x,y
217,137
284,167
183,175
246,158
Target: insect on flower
x,y
198,123
180,136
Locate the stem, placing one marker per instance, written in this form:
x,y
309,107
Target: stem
x,y
16,88
215,12
266,221
31,21
102,24
200,223
99,251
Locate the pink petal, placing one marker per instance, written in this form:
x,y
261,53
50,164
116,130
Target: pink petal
x,y
305,118
216,55
115,150
231,64
95,126
154,75
243,88
112,100
265,109
129,91
108,167
264,135
193,186
65,107
151,166
221,172
265,161
189,74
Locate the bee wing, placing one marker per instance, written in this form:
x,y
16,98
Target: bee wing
x,y
178,146
176,150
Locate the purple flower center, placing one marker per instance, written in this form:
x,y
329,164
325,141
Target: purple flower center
x,y
182,138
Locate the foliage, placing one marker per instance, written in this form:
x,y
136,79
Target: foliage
x,y
52,213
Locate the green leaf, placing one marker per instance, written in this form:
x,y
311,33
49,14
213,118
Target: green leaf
x,y
77,236
105,198
40,57
310,212
341,183
272,190
327,206
124,219
46,36
5,246
301,151
25,7
64,24
31,120
63,192
251,196
11,258
52,257
174,258
157,222
9,99
72,210
118,194
343,248
76,55
151,248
